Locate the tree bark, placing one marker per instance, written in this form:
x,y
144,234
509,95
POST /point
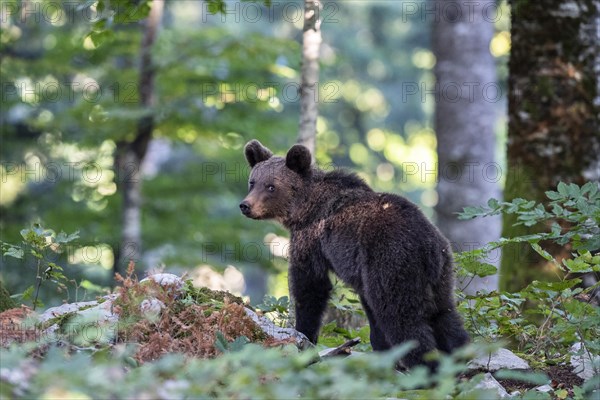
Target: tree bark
x,y
309,90
465,117
130,155
309,85
553,130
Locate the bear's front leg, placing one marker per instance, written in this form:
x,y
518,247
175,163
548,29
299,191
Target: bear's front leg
x,y
310,289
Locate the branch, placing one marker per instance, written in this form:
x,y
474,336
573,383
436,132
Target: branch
x,y
344,349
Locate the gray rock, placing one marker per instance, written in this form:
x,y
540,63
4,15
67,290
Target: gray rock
x,y
501,359
171,280
278,332
582,363
544,388
57,311
101,312
490,383
81,307
151,308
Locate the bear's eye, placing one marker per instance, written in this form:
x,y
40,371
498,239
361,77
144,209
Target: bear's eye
x,y
271,188
251,184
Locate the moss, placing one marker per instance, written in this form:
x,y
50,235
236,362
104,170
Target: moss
x,y
60,320
6,303
204,295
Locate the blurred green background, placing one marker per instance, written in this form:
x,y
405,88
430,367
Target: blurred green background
x,y
70,94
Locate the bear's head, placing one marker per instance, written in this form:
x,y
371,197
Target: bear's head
x,y
275,182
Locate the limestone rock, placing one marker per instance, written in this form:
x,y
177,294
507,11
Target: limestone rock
x,y
544,388
501,359
100,311
489,382
171,280
583,364
278,332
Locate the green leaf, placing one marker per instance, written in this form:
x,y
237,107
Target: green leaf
x,y
28,293
216,6
574,191
557,210
538,249
555,286
238,343
15,252
221,343
562,189
577,265
476,267
553,195
101,37
493,203
62,237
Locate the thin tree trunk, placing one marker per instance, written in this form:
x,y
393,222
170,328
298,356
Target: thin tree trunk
x,y
465,117
131,154
553,130
309,90
309,85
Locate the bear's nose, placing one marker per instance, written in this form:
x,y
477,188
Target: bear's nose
x,y
245,207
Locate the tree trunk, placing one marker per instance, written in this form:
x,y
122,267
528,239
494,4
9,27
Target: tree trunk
x,y
465,116
309,85
553,130
130,155
309,90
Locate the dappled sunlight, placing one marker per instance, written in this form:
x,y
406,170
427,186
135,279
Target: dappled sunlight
x,y
376,139
279,246
26,89
500,44
359,154
377,69
423,58
385,172
416,157
231,280
372,100
98,254
429,198
12,184
88,43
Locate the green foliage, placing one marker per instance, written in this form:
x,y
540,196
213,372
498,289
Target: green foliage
x,y
224,346
545,318
251,372
542,321
41,244
276,308
576,208
332,335
218,84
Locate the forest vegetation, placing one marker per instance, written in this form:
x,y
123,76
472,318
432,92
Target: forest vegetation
x,y
121,154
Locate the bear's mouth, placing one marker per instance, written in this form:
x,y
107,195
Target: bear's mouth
x,y
247,212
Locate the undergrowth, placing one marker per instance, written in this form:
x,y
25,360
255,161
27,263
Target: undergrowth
x,y
188,342
162,319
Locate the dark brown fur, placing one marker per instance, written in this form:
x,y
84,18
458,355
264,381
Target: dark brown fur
x,y
379,244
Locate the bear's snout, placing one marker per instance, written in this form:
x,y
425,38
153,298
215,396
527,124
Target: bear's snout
x,y
245,208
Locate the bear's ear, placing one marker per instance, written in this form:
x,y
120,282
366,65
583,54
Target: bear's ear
x,y
298,159
255,152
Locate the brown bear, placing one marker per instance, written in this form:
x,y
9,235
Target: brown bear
x,y
379,244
